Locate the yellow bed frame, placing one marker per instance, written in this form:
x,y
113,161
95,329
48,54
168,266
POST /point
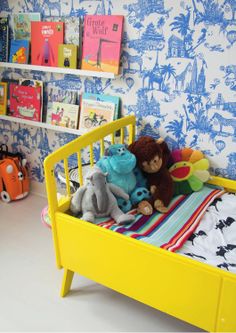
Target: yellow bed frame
x,y
200,294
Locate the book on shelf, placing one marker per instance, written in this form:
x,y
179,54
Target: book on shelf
x,y
9,82
22,24
45,38
72,28
19,51
65,115
67,56
34,83
102,43
25,102
4,39
95,113
3,98
57,94
105,98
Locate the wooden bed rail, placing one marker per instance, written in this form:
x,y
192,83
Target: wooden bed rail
x,y
75,147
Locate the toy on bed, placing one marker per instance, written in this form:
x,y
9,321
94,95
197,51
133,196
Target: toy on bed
x,y
96,199
152,158
120,164
189,170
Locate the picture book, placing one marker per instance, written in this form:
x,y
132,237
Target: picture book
x,y
102,43
25,102
67,56
72,27
45,38
22,24
3,97
9,81
56,94
72,30
19,51
105,98
34,83
65,115
95,113
4,39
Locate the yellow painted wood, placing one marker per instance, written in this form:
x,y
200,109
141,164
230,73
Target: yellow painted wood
x,y
179,286
228,184
80,168
102,147
227,310
66,169
192,291
112,138
66,282
122,135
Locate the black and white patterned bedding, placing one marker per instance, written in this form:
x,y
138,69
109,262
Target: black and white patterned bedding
x,y
214,240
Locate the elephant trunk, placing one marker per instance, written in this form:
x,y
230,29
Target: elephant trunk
x,y
100,196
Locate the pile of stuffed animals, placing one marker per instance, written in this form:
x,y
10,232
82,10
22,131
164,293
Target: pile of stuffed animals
x,y
145,176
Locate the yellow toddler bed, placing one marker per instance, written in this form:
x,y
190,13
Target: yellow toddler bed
x,y
195,292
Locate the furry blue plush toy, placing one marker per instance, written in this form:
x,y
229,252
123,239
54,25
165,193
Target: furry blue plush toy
x,y
120,165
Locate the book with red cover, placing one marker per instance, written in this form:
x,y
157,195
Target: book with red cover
x,y
45,38
25,102
102,43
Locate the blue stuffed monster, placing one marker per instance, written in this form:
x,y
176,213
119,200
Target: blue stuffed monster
x,y
120,164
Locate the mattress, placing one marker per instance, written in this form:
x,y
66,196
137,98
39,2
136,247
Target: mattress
x,y
214,240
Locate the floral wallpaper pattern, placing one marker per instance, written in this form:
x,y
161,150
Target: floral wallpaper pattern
x,y
178,76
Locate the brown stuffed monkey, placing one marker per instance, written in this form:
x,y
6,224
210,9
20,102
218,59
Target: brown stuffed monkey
x,y
152,158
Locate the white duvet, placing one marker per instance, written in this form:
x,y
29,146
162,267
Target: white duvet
x,y
214,240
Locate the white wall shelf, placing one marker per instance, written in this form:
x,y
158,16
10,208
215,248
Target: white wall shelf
x,y
58,70
40,124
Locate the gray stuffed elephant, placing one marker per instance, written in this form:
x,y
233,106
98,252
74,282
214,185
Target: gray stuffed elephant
x,y
96,199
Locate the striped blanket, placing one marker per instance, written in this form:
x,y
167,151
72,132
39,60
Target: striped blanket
x,y
168,231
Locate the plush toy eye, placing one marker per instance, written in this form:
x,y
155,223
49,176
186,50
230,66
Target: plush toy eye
x,y
20,175
9,169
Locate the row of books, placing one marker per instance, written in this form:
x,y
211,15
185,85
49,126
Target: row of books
x,y
26,102
56,42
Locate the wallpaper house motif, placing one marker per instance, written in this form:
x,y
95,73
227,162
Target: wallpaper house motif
x,y
178,69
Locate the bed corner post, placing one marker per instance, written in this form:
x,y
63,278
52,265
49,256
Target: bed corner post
x,y
66,282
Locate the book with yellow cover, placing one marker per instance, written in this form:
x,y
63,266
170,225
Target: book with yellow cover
x,y
3,97
67,56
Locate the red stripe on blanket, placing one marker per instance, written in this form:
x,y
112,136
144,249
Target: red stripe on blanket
x,y
161,219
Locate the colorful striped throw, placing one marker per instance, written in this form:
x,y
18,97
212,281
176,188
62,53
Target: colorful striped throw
x,y
168,231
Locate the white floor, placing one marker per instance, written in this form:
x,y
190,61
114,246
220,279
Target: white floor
x,y
30,284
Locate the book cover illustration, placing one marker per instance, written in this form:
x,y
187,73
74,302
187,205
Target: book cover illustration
x,y
67,56
19,51
102,43
45,38
22,24
105,98
34,83
95,113
3,98
56,94
4,39
65,115
25,102
72,28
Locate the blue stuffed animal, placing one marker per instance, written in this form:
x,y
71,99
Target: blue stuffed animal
x,y
120,164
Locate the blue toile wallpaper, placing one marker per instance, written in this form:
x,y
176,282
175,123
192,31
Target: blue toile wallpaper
x,y
178,76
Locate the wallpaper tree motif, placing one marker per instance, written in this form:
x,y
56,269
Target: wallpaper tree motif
x,y
178,76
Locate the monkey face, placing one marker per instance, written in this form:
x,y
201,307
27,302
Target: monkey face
x,y
152,166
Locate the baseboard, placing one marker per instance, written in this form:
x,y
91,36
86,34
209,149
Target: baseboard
x,y
38,188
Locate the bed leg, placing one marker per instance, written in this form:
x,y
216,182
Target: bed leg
x,y
66,282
